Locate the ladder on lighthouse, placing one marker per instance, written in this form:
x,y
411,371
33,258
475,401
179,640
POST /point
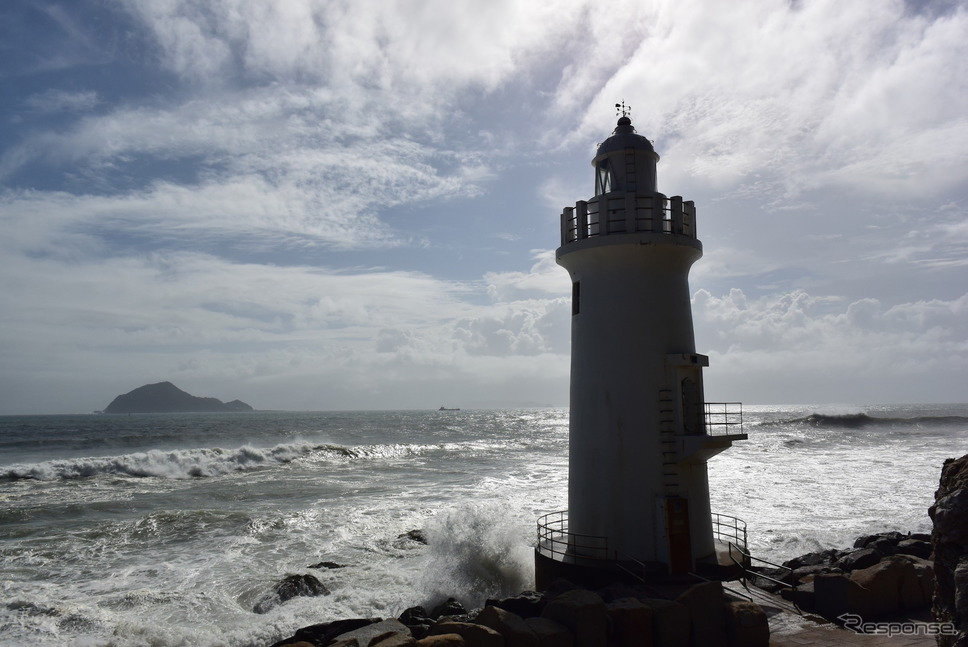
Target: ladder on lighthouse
x,y
667,440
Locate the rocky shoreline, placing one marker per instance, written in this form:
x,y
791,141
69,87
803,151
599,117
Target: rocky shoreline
x,y
883,575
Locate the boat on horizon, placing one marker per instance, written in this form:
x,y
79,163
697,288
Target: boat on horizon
x,y
446,409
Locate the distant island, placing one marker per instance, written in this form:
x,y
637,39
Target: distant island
x,y
165,397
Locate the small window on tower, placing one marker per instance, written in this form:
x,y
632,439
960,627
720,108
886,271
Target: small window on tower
x,y
603,178
575,298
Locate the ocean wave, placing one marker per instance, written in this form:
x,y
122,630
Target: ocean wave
x,y
197,463
863,420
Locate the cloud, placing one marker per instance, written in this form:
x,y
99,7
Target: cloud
x,y
906,352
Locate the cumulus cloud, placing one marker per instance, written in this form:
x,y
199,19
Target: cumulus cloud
x,y
861,349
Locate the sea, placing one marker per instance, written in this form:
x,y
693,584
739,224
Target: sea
x,y
172,529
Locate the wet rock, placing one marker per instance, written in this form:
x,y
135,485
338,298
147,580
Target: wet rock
x,y
385,632
327,565
290,587
416,535
528,604
450,607
322,634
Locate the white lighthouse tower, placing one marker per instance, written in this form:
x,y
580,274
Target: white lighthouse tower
x,y
640,430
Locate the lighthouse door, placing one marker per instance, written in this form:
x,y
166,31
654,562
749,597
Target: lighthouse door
x,y
680,542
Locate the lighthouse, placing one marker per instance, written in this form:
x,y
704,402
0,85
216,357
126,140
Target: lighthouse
x,y
640,430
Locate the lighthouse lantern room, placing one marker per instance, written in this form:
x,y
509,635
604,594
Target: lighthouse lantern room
x,y
640,429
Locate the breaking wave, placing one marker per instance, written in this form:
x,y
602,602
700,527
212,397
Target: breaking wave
x,y
863,420
198,463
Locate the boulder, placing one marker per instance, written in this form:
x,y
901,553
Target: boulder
x,y
631,623
893,585
915,547
383,633
442,640
450,607
550,633
706,606
671,625
287,588
418,620
746,625
515,630
883,545
474,635
835,595
802,596
395,640
949,538
583,613
528,604
822,557
857,559
322,634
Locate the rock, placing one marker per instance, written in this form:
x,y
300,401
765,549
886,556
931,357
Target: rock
x,y
631,623
893,585
805,572
835,595
395,640
746,625
416,535
290,587
528,604
550,633
671,625
450,607
866,540
442,640
474,635
857,559
515,630
706,606
583,613
415,616
949,538
883,545
915,547
802,596
823,557
322,634
327,565
373,634
772,579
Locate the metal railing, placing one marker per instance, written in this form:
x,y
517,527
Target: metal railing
x,y
621,213
555,541
724,418
730,529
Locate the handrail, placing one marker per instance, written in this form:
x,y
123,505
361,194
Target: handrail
x,y
723,418
748,559
555,540
726,528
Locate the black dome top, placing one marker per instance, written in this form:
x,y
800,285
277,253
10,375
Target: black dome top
x,y
624,136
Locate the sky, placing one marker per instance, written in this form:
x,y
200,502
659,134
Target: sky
x,y
315,205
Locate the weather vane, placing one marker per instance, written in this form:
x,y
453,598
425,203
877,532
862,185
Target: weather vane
x,y
622,108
